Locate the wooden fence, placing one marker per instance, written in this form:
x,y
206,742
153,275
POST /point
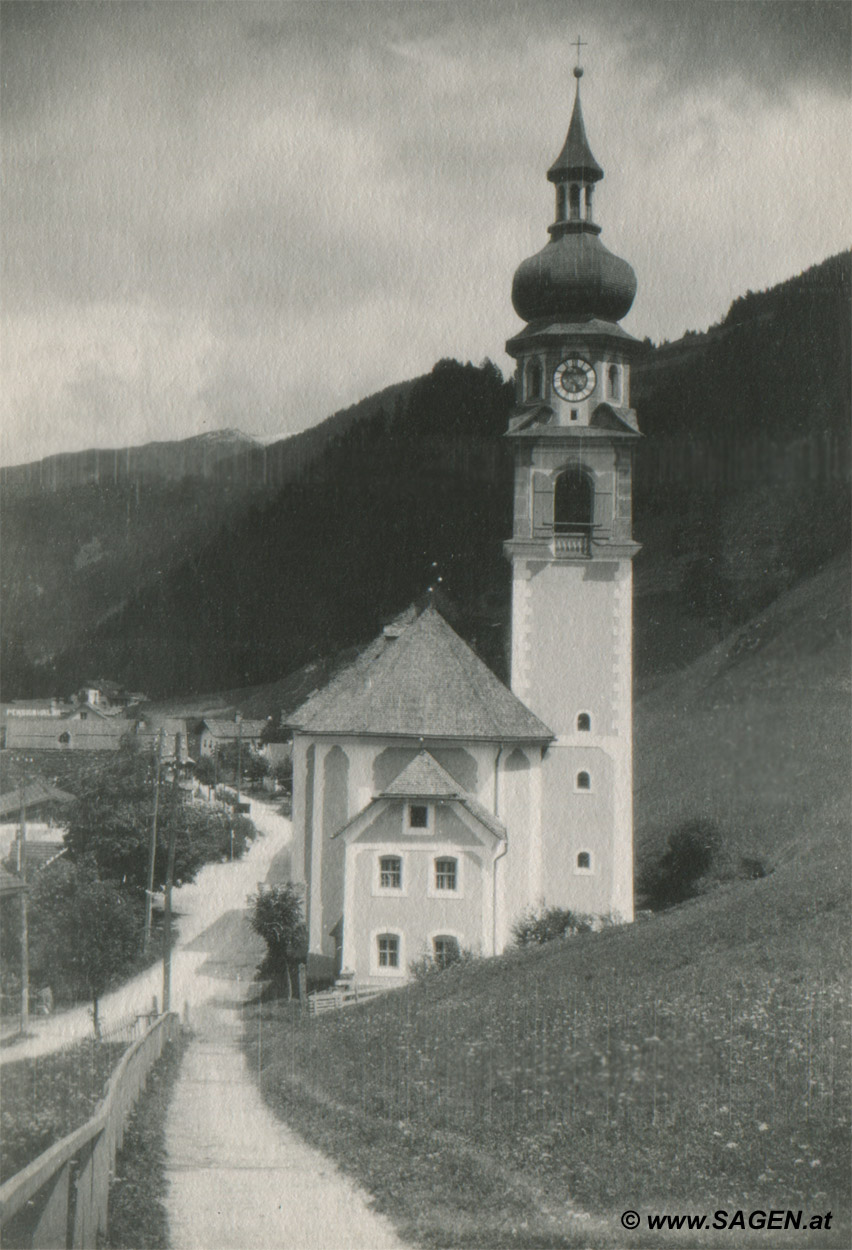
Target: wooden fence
x,y
340,996
40,1207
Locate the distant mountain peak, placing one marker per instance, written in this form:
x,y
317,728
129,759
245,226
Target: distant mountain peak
x,y
227,435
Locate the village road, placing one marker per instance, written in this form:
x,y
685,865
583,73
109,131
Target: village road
x,y
237,1177
219,889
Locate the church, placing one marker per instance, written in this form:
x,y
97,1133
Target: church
x,y
432,806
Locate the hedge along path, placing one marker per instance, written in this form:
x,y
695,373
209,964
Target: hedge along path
x,y
238,1177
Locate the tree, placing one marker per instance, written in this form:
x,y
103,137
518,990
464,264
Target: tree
x,y
278,917
205,770
255,767
111,823
82,928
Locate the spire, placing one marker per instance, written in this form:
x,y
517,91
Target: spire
x,y
575,161
574,277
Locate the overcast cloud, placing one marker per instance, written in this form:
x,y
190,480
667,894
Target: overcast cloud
x,y
249,215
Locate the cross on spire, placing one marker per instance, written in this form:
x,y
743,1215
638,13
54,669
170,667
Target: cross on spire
x,y
578,44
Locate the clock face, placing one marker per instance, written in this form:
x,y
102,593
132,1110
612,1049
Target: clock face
x,y
574,379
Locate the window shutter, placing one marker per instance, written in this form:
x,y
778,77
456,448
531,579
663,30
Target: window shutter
x,y
542,505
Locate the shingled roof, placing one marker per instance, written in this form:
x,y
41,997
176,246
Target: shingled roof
x,y
36,794
425,683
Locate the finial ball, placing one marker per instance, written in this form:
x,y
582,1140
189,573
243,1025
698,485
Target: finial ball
x,y
578,73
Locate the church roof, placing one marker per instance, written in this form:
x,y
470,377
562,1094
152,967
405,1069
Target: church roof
x,y
424,683
424,778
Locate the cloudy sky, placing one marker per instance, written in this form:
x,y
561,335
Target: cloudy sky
x,y
252,214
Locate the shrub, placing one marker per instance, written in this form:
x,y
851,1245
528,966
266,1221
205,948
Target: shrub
x,y
535,927
427,966
680,872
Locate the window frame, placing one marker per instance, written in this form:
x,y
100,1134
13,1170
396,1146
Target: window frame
x,y
408,827
389,891
579,788
584,729
581,871
444,936
387,970
442,892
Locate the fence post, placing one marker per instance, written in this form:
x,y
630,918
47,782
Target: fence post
x,y
303,986
51,1227
85,1219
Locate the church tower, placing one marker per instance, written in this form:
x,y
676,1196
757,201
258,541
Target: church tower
x,y
573,433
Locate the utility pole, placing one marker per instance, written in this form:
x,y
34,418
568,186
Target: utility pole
x,y
167,914
239,719
25,938
152,849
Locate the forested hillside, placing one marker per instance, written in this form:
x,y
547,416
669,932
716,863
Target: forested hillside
x,y
742,488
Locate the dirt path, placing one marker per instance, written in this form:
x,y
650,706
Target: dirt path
x,y
219,889
237,1177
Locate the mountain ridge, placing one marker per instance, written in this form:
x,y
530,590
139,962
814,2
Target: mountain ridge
x,y
283,553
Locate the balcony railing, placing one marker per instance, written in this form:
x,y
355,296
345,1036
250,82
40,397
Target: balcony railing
x,y
572,544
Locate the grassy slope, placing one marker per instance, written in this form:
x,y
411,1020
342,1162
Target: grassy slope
x,y
755,735
696,1060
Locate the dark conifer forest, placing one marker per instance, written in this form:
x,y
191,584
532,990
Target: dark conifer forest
x,y
234,570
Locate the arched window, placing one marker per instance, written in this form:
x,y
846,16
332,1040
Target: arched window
x,y
65,738
584,723
614,382
388,950
584,861
574,196
589,189
584,781
446,950
534,379
572,503
390,872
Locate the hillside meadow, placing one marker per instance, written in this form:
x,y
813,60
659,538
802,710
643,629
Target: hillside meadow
x,y
695,1061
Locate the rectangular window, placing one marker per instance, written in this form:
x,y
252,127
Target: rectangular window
x,y
390,872
418,816
388,950
446,874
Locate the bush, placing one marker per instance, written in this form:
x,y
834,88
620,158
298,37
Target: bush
x,y
428,966
535,927
680,872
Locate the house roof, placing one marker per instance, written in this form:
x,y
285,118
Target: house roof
x,y
35,794
9,883
232,730
424,683
43,732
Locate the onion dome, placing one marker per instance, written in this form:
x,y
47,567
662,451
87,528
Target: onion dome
x,y
574,277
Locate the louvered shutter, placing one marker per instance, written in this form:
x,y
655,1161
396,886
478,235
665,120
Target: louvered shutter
x,y
542,505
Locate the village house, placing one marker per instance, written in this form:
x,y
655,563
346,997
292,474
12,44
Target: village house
x,y
83,730
216,734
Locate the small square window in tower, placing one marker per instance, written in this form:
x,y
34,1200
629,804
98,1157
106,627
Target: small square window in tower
x,y
418,816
